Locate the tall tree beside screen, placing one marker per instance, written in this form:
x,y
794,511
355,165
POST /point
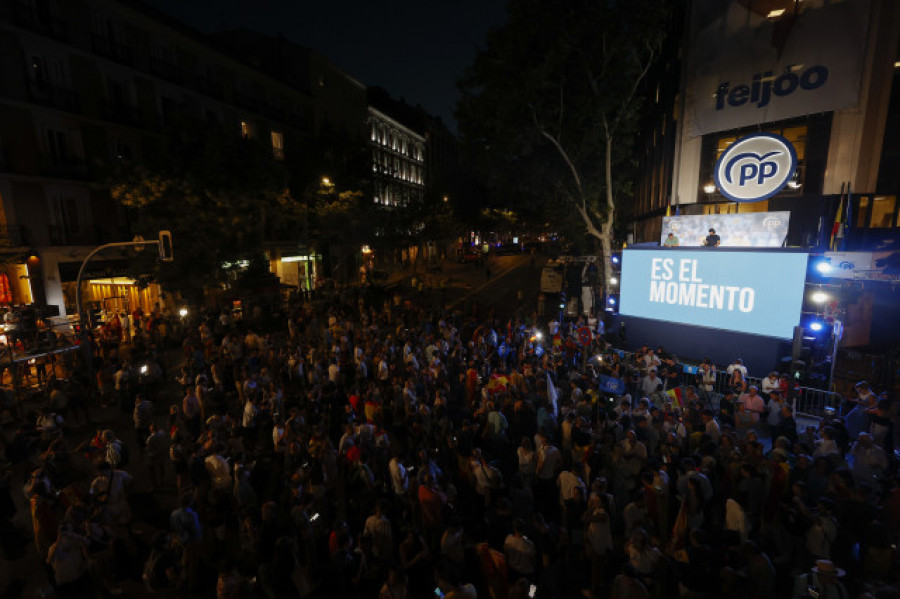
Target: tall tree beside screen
x,y
549,108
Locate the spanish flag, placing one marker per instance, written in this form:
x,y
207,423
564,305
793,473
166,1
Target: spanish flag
x,y
837,230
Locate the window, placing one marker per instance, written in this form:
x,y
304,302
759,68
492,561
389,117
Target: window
x,y
122,150
67,216
883,212
862,214
167,107
58,146
246,130
46,71
278,145
119,93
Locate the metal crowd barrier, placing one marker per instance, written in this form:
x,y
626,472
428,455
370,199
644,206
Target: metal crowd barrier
x,y
806,401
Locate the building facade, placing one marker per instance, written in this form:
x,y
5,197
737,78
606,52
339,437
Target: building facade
x,y
398,161
823,75
86,83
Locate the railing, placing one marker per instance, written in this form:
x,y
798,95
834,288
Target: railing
x,y
111,49
27,15
806,401
55,96
813,402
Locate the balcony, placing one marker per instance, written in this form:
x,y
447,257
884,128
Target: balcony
x,y
60,235
123,114
39,20
165,69
54,96
111,49
64,167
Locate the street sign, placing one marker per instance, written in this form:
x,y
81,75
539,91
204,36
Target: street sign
x,y
584,336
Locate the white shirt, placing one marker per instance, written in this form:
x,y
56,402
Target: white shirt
x,y
399,478
379,529
567,483
520,554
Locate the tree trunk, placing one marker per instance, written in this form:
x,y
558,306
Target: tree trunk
x,y
606,228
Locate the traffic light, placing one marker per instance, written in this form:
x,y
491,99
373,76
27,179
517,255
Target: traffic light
x,y
165,247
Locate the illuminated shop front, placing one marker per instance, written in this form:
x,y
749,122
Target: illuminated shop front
x,y
106,288
299,271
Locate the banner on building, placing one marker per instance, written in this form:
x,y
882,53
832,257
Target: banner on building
x,y
864,266
750,229
759,62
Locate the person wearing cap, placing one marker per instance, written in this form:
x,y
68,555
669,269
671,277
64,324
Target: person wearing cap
x,y
823,581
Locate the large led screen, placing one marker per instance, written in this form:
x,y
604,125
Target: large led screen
x,y
752,292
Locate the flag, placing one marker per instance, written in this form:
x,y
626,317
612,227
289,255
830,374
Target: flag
x,y
551,393
837,229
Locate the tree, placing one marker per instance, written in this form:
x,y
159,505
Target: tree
x,y
549,108
214,191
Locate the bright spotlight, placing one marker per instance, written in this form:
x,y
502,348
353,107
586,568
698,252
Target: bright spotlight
x,y
615,259
819,297
815,326
823,267
538,335
183,312
611,301
613,281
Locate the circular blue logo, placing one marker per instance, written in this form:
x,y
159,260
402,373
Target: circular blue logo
x,y
755,167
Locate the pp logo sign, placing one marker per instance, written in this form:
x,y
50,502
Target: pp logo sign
x,y
755,167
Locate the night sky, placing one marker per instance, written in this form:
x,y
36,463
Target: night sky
x,y
414,49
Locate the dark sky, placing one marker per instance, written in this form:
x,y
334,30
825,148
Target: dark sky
x,y
414,49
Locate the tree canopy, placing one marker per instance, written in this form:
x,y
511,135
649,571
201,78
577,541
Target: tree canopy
x,y
550,107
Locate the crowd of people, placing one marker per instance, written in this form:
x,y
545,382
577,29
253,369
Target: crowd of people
x,y
392,450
